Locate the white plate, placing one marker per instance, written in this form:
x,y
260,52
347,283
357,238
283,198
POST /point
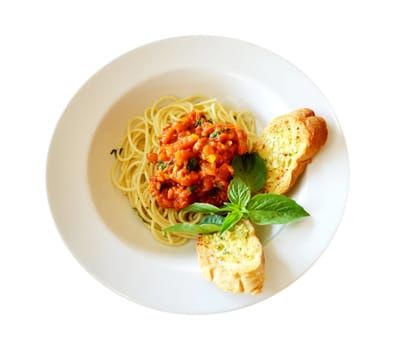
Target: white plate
x,y
95,220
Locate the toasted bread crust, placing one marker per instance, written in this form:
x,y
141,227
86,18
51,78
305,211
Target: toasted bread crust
x,y
311,134
235,277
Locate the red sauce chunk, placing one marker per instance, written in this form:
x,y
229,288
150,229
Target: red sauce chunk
x,y
194,161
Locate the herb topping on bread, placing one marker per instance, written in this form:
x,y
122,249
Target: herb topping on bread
x,y
233,260
288,144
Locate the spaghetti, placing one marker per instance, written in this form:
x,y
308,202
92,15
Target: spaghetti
x,y
132,169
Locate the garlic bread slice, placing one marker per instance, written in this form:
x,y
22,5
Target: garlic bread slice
x,y
288,144
233,260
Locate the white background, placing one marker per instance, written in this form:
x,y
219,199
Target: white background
x,y
49,49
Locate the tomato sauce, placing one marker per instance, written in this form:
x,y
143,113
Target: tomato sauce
x,y
194,161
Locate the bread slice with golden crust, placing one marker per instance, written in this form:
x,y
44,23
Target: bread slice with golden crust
x,y
233,260
288,144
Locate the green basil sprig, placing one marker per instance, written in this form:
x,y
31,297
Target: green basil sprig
x,y
261,209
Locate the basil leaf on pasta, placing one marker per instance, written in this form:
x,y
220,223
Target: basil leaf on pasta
x,y
202,208
212,219
193,228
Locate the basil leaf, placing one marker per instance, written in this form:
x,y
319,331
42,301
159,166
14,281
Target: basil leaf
x,y
227,206
230,220
267,209
238,192
202,208
251,168
193,228
212,219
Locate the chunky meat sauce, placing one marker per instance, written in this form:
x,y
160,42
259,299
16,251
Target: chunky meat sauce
x,y
194,161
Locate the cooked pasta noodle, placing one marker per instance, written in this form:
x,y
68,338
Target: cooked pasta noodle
x,y
132,170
